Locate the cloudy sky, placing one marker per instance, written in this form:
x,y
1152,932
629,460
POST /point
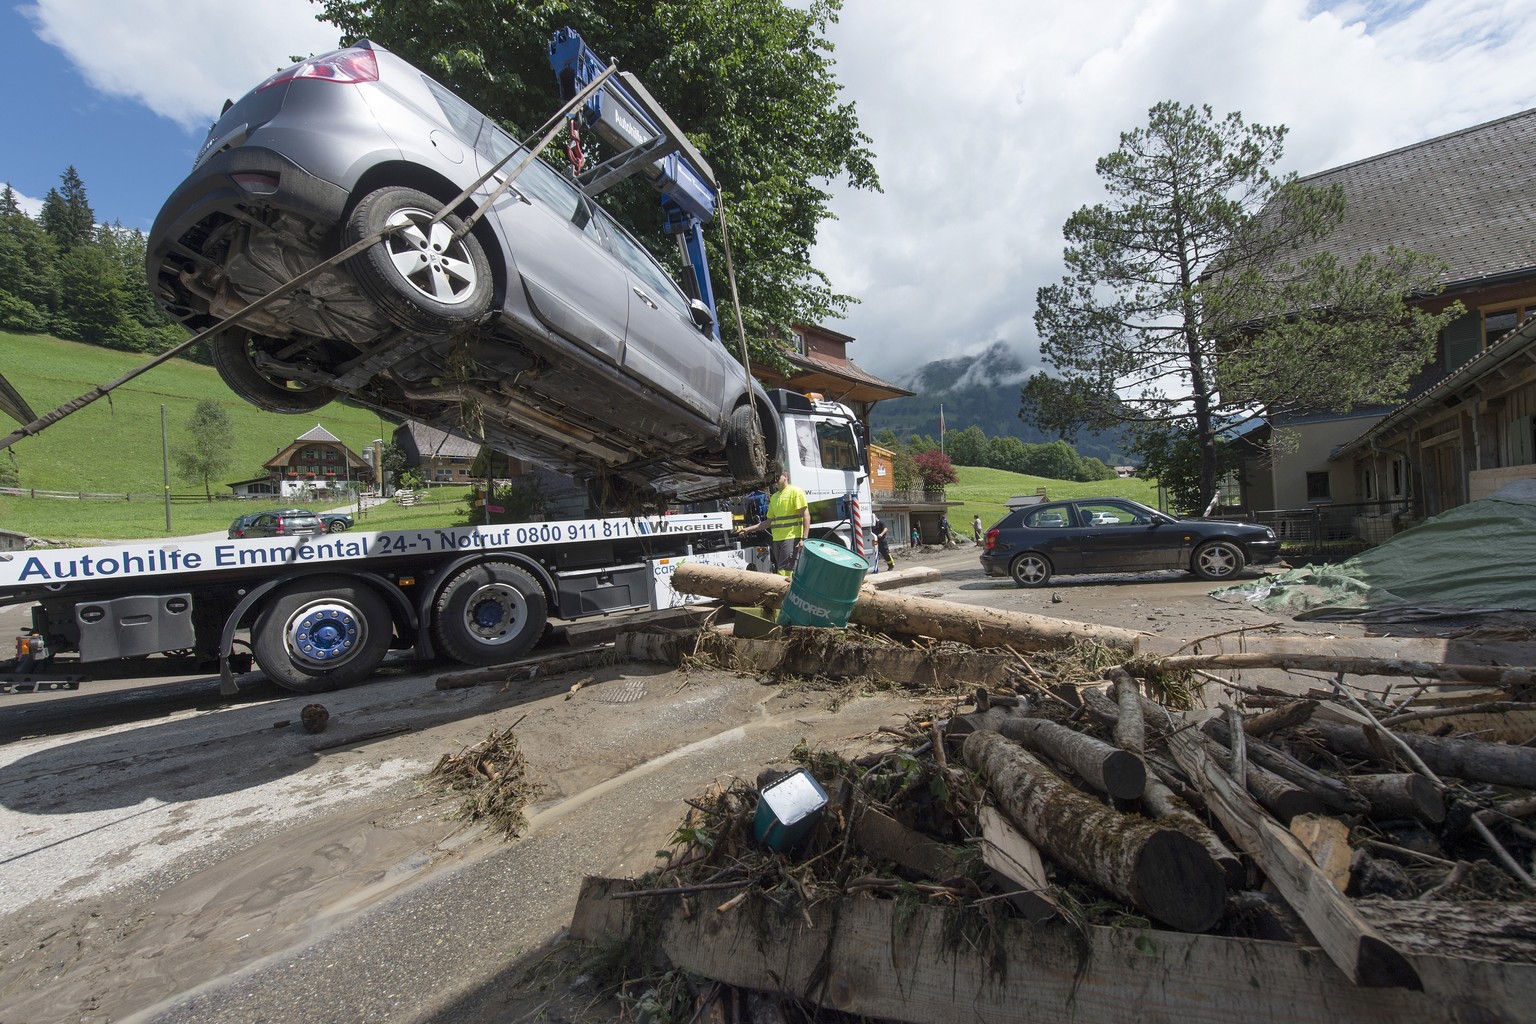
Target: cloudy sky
x,y
986,115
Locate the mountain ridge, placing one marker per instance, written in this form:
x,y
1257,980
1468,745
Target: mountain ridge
x,y
982,391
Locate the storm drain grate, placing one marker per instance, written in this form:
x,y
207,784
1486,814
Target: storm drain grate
x,y
628,693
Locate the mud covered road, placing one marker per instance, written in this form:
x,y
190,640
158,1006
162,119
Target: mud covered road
x,y
169,856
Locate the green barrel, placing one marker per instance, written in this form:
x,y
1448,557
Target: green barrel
x,y
824,587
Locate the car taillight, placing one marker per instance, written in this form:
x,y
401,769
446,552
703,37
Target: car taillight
x,y
348,67
992,538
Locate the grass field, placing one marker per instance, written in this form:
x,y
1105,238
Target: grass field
x,y
985,492
113,445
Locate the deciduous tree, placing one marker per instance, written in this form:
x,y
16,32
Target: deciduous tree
x,y
1188,305
206,454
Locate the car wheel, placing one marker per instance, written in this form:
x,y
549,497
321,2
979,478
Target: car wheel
x,y
234,354
1218,560
744,449
425,277
320,634
1030,569
489,614
336,526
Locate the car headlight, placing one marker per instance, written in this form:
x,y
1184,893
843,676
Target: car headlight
x,y
1269,533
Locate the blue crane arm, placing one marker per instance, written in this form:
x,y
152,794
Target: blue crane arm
x,y
644,140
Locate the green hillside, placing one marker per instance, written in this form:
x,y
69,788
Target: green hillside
x,y
985,492
113,445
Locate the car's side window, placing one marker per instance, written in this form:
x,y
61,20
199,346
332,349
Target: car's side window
x,y
644,266
464,119
540,182
1047,519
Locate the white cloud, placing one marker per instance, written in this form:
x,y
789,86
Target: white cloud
x,y
987,120
29,206
180,58
986,117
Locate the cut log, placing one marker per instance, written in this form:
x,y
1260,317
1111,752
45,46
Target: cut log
x,y
1162,803
1401,795
1332,792
880,835
1358,949
1159,870
1327,840
1284,800
898,614
1282,717
1130,730
1510,678
1016,860
1473,760
1110,770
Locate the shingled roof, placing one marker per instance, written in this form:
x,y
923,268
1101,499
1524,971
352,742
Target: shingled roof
x,y
1468,198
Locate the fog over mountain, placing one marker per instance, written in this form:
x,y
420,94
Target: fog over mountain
x,y
979,391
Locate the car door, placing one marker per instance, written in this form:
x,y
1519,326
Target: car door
x,y
1051,529
1118,537
663,345
573,283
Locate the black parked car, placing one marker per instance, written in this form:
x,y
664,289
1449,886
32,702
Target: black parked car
x,y
1092,535
291,522
566,340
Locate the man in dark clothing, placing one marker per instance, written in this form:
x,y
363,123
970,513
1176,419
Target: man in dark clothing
x,y
882,546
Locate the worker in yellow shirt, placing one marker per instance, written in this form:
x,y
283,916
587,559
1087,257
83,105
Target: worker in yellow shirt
x,y
788,523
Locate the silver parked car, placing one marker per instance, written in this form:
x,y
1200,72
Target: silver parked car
x,y
546,329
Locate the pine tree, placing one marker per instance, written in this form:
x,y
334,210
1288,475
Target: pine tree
x,y
67,215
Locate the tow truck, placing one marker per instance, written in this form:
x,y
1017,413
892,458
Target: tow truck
x,y
323,612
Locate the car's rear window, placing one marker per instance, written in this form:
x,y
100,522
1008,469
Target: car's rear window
x,y
305,520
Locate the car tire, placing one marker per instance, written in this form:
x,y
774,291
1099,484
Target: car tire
x,y
233,356
424,277
1031,569
336,526
1217,560
293,655
745,452
489,614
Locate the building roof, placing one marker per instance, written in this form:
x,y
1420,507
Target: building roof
x,y
319,433
430,442
845,381
1468,198
1435,398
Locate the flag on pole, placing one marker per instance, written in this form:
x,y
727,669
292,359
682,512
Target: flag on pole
x,y
941,428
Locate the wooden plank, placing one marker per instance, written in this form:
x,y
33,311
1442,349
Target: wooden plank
x,y
1358,950
880,835
867,958
1009,854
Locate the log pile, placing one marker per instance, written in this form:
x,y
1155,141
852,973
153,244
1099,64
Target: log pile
x,y
1328,821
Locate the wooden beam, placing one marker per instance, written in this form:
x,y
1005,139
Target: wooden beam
x,y
873,959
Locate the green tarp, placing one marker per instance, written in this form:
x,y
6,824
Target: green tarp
x,y
1480,555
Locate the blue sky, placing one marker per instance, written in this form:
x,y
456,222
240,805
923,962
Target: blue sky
x,y
987,117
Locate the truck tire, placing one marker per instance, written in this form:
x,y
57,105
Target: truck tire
x,y
424,277
321,633
489,614
232,354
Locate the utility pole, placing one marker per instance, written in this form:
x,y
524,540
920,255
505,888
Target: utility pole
x,y
165,466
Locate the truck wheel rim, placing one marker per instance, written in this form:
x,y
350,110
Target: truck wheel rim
x,y
495,614
429,258
325,633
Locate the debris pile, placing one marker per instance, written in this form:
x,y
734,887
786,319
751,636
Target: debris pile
x,y
493,776
1383,832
